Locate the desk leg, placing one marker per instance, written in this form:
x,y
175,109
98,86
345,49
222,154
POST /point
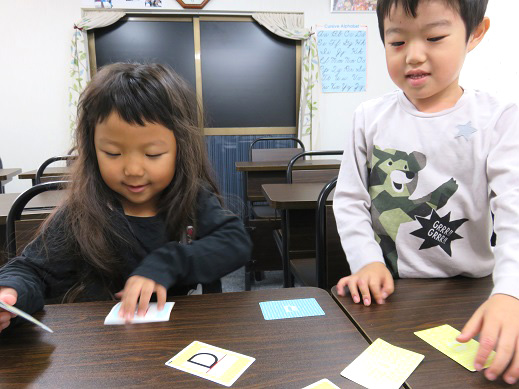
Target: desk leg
x,y
288,279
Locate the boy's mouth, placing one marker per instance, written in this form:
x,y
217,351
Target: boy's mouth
x,y
417,78
416,75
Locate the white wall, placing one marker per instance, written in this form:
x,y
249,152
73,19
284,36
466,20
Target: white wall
x,y
35,54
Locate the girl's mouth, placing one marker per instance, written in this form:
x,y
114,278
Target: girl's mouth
x,y
136,188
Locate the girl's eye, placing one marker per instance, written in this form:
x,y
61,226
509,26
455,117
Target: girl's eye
x,y
112,154
154,155
396,44
436,38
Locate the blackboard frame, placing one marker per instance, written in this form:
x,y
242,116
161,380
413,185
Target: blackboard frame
x,y
266,130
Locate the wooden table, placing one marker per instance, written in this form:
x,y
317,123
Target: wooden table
x,y
39,206
271,172
419,304
49,172
82,352
297,203
6,175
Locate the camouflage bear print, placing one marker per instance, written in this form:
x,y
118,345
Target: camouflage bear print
x,y
393,177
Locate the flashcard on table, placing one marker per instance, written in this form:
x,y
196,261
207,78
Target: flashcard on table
x,y
443,338
322,384
210,362
152,314
26,316
286,309
382,366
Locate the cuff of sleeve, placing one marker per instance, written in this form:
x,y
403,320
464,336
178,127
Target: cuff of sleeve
x,y
508,285
360,258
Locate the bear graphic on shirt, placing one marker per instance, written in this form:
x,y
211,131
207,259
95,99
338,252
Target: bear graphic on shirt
x,y
393,177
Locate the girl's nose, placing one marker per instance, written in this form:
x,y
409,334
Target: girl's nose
x,y
133,167
415,53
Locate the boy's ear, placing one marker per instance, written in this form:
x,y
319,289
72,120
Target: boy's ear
x,y
479,33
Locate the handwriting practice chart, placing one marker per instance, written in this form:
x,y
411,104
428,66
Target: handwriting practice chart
x,y
342,58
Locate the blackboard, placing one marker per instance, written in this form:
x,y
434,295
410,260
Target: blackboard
x,y
248,76
165,42
248,73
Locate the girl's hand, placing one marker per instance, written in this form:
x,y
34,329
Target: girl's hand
x,y
140,288
8,296
497,322
374,278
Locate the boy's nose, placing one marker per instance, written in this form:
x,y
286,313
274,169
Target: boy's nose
x,y
415,53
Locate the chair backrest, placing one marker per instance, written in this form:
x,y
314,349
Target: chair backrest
x,y
320,175
38,179
331,263
275,154
28,227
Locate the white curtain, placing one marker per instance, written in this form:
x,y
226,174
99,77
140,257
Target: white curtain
x,y
79,72
291,26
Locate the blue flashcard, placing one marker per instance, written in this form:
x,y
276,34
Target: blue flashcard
x,y
286,309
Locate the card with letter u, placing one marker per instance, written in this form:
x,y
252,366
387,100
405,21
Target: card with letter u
x,y
286,309
210,362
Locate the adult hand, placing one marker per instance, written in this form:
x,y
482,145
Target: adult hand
x,y
8,296
140,288
373,279
497,322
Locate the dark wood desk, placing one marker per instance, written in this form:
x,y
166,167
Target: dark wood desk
x,y
59,172
297,203
261,220
419,304
6,175
39,207
290,353
271,172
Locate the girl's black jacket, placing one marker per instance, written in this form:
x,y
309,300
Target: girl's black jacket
x,y
220,245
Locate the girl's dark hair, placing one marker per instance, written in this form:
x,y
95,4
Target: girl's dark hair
x,y
472,12
139,94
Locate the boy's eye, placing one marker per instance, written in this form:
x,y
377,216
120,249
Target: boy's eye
x,y
396,44
436,38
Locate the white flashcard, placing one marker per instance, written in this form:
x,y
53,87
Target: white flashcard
x,y
26,316
152,315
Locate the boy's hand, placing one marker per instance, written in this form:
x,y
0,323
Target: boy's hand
x,y
8,296
140,288
374,277
497,322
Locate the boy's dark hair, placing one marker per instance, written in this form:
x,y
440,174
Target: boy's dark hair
x,y
472,12
139,94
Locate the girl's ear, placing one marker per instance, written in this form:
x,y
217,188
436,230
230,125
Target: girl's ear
x,y
479,33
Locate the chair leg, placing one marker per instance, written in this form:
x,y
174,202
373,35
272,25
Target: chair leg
x,y
248,280
259,275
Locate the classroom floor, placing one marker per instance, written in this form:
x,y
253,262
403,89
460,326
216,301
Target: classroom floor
x,y
235,281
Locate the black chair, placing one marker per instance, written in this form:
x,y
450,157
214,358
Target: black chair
x,y
15,214
261,219
2,190
274,154
331,263
43,166
322,175
305,254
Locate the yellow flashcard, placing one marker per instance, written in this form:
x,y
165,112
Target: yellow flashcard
x,y
443,338
382,366
210,362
